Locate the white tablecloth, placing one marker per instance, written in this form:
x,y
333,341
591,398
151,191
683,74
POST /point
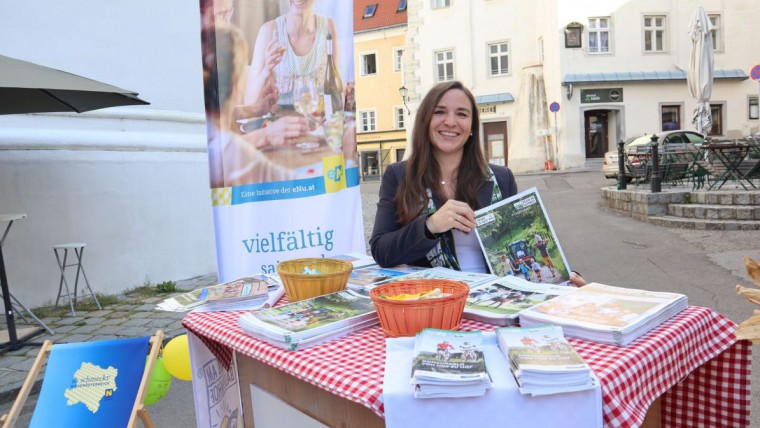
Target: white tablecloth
x,y
501,406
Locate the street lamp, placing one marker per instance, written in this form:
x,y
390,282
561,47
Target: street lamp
x,y
403,91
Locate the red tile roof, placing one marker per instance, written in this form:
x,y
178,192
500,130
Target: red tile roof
x,y
385,15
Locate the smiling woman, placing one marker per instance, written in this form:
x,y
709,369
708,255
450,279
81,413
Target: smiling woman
x,y
425,214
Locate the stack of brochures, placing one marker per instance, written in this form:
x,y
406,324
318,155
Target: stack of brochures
x,y
542,361
606,314
244,293
312,321
449,364
500,300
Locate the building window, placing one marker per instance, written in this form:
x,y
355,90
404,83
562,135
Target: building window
x,y
654,33
754,113
400,154
370,10
369,64
367,123
438,4
717,32
599,35
444,66
670,117
401,6
398,59
717,118
498,59
398,117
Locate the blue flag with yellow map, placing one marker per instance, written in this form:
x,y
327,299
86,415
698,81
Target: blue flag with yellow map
x,y
91,384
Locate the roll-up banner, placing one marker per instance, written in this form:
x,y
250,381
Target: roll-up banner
x,y
279,93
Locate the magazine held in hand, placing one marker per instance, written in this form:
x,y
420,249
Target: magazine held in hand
x,y
449,364
543,362
606,314
518,239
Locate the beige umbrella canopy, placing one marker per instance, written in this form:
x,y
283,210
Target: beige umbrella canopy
x,y
700,75
30,88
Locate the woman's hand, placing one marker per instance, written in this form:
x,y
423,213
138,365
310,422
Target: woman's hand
x,y
576,279
452,215
286,131
273,55
261,105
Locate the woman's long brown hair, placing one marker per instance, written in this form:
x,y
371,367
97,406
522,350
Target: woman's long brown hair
x,y
422,169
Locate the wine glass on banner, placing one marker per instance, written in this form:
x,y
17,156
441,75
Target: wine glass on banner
x,y
306,101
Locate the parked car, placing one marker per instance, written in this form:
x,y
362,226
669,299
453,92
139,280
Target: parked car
x,y
689,139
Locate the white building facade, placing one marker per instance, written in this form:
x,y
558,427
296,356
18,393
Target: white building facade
x,y
131,182
615,69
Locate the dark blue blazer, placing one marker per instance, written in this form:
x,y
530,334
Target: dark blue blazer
x,y
393,244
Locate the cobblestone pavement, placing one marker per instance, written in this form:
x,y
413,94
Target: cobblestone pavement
x,y
135,319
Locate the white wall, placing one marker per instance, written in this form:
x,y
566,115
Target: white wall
x,y
131,182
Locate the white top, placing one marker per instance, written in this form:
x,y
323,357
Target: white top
x,y
469,254
314,63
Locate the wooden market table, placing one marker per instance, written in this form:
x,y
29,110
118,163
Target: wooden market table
x,y
690,371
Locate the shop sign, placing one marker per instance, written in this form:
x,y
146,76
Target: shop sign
x,y
606,95
489,108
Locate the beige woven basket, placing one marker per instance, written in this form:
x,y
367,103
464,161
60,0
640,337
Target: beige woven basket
x,y
333,276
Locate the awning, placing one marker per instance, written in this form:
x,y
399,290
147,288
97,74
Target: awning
x,y
645,76
505,97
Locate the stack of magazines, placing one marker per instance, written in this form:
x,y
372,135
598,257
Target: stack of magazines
x,y
606,314
312,321
449,364
542,361
499,301
244,293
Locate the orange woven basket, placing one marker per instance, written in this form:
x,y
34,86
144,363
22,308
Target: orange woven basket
x,y
333,276
409,317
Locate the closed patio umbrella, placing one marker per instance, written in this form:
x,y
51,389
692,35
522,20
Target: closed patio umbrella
x,y
700,73
26,87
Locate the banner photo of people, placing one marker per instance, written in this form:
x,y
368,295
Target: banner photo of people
x,y
280,108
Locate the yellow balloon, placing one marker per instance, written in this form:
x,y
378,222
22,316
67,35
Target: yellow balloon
x,y
177,358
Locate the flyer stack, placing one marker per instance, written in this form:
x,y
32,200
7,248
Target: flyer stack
x,y
543,362
449,364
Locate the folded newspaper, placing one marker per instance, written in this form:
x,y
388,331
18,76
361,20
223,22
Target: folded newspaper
x,y
606,314
245,293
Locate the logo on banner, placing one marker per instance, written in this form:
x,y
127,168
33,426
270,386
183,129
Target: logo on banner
x,y
335,176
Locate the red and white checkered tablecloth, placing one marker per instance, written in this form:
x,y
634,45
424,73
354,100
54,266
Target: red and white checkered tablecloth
x,y
693,358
